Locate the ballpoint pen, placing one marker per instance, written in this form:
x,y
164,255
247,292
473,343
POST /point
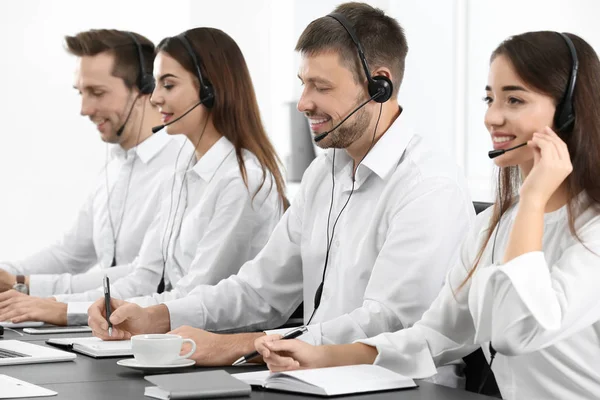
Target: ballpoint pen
x,y
107,303
290,335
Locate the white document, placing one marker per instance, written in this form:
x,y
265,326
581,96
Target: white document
x,y
95,347
330,381
12,388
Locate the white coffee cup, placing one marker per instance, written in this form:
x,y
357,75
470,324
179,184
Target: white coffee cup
x,y
159,349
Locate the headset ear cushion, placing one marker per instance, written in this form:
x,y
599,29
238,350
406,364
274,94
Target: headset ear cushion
x,y
564,118
147,84
207,95
381,84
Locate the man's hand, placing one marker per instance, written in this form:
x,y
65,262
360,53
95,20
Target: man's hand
x,y
7,280
128,319
213,349
18,307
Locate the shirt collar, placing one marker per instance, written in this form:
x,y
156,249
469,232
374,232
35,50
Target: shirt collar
x,y
210,162
384,155
146,150
388,150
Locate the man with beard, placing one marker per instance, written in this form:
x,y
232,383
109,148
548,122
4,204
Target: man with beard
x,y
367,240
114,79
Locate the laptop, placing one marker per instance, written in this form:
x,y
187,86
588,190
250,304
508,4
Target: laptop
x,y
27,324
13,352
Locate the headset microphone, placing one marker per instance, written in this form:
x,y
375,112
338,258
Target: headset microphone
x,y
323,135
160,127
496,153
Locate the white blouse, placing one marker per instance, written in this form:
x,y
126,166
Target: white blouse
x,y
541,312
214,224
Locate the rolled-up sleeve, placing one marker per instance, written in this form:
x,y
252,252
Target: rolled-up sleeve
x,y
526,305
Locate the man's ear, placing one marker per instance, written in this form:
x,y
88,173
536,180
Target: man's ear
x,y
382,71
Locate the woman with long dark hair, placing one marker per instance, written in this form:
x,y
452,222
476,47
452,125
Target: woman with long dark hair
x,y
525,287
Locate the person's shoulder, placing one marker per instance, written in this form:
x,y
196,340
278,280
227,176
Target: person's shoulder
x,y
427,160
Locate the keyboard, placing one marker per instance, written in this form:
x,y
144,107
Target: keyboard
x,y
11,354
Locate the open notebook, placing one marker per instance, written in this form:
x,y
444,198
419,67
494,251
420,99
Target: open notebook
x,y
94,347
330,381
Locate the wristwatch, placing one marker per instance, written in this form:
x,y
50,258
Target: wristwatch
x,y
20,286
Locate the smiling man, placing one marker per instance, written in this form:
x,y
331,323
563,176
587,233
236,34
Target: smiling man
x,y
368,238
112,80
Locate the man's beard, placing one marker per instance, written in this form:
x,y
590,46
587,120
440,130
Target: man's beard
x,y
349,131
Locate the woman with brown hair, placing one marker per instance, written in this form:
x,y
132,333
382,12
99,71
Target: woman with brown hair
x,y
227,193
525,287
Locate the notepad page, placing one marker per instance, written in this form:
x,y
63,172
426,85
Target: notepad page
x,y
157,393
343,380
95,346
257,378
103,348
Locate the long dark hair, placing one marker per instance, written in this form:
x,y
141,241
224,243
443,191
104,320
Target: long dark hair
x,y
543,61
235,112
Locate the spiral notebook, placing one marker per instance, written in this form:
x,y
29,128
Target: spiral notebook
x,y
94,347
332,381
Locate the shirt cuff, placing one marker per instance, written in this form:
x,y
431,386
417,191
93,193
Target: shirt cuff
x,y
41,285
530,278
77,312
413,359
178,314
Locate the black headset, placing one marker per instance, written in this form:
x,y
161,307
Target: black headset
x,y
564,117
145,81
207,92
379,87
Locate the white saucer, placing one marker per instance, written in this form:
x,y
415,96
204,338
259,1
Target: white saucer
x,y
134,364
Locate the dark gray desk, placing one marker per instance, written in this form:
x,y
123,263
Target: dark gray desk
x,y
103,379
134,389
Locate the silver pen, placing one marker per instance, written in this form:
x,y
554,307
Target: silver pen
x,y
106,285
290,335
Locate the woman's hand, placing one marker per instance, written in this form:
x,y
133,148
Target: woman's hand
x,y
285,355
551,166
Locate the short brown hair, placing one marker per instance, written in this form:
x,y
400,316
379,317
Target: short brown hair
x,y
381,36
119,44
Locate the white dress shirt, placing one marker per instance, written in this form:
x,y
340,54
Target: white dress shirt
x,y
223,225
541,312
134,183
390,253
